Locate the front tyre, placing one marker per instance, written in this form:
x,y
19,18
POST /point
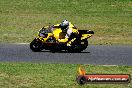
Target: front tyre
x,y
36,45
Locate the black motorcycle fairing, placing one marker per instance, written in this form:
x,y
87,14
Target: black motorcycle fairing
x,y
36,45
85,32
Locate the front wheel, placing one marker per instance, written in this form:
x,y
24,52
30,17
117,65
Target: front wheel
x,y
36,45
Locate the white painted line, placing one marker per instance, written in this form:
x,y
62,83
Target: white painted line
x,y
21,43
109,65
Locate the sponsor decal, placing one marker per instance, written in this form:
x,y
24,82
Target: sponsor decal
x,y
83,78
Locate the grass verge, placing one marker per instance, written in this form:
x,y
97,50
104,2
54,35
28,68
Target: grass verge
x,y
109,19
38,75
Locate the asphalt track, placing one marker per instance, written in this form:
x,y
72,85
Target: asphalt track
x,y
94,54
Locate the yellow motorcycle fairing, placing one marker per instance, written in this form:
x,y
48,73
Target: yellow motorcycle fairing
x,y
57,32
86,36
60,36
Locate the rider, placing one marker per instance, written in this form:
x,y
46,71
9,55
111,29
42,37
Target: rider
x,y
70,30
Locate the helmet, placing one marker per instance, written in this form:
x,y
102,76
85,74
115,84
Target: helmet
x,y
64,25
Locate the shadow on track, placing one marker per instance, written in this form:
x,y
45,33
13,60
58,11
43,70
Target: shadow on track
x,y
63,52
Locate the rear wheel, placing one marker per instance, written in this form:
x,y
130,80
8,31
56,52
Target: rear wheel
x,y
36,45
84,45
76,48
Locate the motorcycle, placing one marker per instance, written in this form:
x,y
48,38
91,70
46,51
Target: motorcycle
x,y
47,38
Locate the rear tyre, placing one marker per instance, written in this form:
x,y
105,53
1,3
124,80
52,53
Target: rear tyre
x,y
77,48
36,45
84,46
74,49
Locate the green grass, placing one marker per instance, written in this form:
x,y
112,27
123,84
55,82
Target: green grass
x,y
38,75
109,19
